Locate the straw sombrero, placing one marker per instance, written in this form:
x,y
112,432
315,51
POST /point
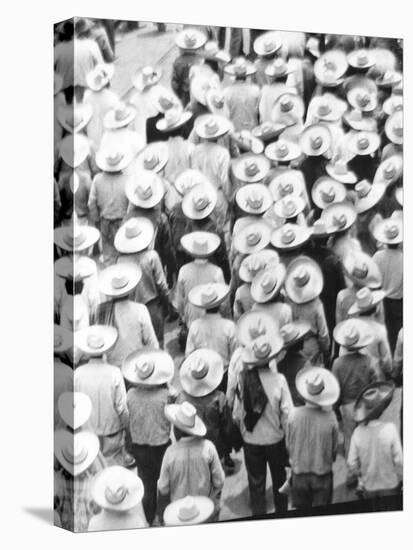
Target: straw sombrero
x,y
76,238
74,149
252,238
356,121
393,104
289,182
361,59
389,230
212,51
268,130
253,324
199,202
165,99
327,107
74,408
154,157
362,270
304,280
146,77
215,100
289,207
189,510
364,143
330,67
317,386
209,295
200,244
201,372
75,116
188,179
134,236
114,157
257,262
340,172
283,151
361,93
96,339
120,279
100,76
339,216
353,334
294,332
240,67
119,117
288,104
278,69
145,189
248,143
326,191
75,451
250,168
63,339
198,88
254,198
389,170
116,488
212,126
389,79
394,128
74,268
367,195
315,140
268,283
190,39
262,350
148,367
366,299
373,400
174,118
290,236
267,43
185,418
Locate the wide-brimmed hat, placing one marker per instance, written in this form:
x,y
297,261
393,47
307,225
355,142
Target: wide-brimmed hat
x,y
212,51
117,488
368,195
185,418
145,189
373,400
250,168
278,69
294,332
257,262
253,237
304,280
201,372
288,104
75,116
362,270
215,100
268,283
317,386
188,179
361,59
199,86
364,143
209,295
190,39
96,339
145,77
267,43
57,83
313,46
74,408
389,230
393,104
134,236
100,76
148,367
75,451
74,268
262,350
355,119
339,216
200,201
353,334
326,191
114,157
315,140
63,339
289,207
289,182
389,170
240,67
394,128
269,130
254,198
76,238
389,79
165,99
119,117
74,149
366,299
340,172
212,126
319,230
399,195
327,107
361,93
283,151
154,157
200,244
253,324
290,236
189,510
330,67
247,142
174,118
119,279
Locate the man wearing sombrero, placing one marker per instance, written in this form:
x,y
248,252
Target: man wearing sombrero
x,y
242,97
189,41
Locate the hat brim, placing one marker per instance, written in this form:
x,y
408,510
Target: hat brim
x,y
224,126
200,39
192,213
379,235
77,268
109,69
205,506
251,319
133,273
374,144
302,235
136,244
138,81
199,428
335,209
348,178
269,131
202,386
108,333
74,417
241,245
294,152
366,337
162,373
249,358
251,145
302,329
312,290
159,148
373,280
238,168
104,477
328,396
230,69
163,126
374,197
305,143
65,438
213,242
378,296
379,177
257,291
268,257
300,207
340,192
195,299
92,236
363,415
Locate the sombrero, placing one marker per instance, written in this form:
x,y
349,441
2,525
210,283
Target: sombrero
x,y
340,172
120,279
330,67
389,79
389,170
389,230
74,267
289,207
201,372
198,87
278,69
283,151
145,77
252,238
327,107
200,244
57,83
200,201
74,149
185,418
63,339
74,408
116,488
317,386
240,67
373,400
257,262
174,118
361,59
268,130
96,339
190,39
326,191
304,280
313,46
289,182
366,299
189,510
353,334
250,168
361,93
394,128
100,76
154,157
165,99
339,216
393,104
319,230
75,451
148,367
356,121
188,179
362,270
288,104
119,117
290,236
114,157
253,324
254,198
294,332
367,195
75,116
212,126
212,51
248,143
134,236
145,189
262,350
267,43
209,295
76,238
268,283
315,140
215,100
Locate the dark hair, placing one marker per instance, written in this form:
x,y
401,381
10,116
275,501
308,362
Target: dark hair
x,y
214,309
179,433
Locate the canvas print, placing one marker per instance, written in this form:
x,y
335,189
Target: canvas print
x,y
228,266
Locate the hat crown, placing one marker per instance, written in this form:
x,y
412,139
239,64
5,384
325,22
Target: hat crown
x,y
165,102
363,188
286,104
173,115
351,335
324,109
144,190
363,142
391,230
190,40
360,270
240,66
95,341
253,237
339,221
75,454
371,398
286,188
398,130
200,244
288,332
315,385
116,495
268,283
186,414
114,157
145,369
121,112
74,118
363,98
254,265
200,200
364,297
302,277
208,295
132,229
251,168
199,369
319,228
255,199
282,149
316,142
328,194
211,127
287,235
76,237
256,330
150,161
217,100
389,170
188,509
289,206
340,168
119,280
362,57
269,45
261,347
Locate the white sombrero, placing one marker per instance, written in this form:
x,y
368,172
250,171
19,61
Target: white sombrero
x,y
120,279
96,340
389,230
283,151
212,51
209,295
174,118
317,386
240,67
304,280
154,157
212,126
366,299
148,367
146,77
315,140
200,201
294,332
269,130
289,207
74,408
114,157
353,334
190,39
76,238
368,195
119,117
248,143
145,189
74,149
75,451
290,236
267,43
200,244
252,238
389,79
327,191
188,179
254,198
75,267
289,182
75,116
330,67
389,170
262,350
201,372
327,107
116,488
361,93
357,121
189,510
268,283
185,418
394,128
393,104
278,69
361,59
339,216
256,263
364,143
253,324
100,76
362,270
134,236
215,100
250,168
288,104
340,172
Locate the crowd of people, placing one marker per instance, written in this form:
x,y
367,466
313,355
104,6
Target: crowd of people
x,y
254,202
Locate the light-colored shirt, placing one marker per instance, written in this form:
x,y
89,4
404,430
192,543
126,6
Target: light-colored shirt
x,y
243,300
313,312
147,421
390,262
242,100
86,56
280,313
107,197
